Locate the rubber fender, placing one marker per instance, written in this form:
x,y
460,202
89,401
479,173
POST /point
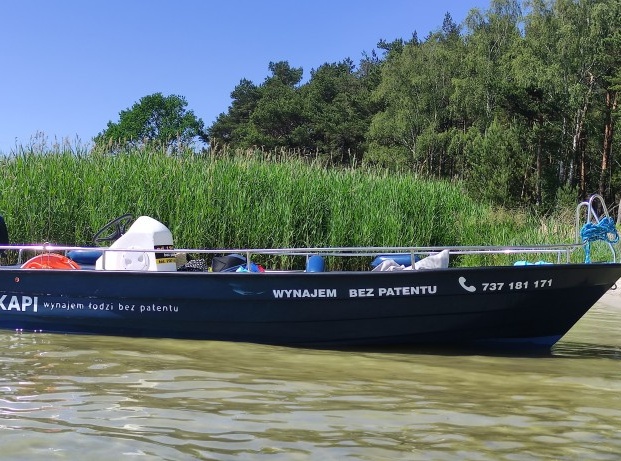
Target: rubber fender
x,y
315,264
50,261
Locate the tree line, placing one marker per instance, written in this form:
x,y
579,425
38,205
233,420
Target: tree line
x,y
519,102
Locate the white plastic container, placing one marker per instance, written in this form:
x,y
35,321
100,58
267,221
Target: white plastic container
x,y
144,234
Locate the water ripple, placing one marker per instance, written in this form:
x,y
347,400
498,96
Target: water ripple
x,y
64,396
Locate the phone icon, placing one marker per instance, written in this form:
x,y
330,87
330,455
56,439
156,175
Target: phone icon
x,y
470,288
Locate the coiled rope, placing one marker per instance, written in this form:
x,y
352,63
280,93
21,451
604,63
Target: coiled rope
x,y
604,230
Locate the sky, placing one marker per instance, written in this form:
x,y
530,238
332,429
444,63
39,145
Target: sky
x,y
68,67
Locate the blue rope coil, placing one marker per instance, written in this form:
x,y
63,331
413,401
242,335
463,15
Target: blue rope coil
x,y
604,230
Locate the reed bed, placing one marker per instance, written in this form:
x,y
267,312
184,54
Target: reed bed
x,y
240,201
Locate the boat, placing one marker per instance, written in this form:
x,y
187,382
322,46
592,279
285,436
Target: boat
x,y
134,282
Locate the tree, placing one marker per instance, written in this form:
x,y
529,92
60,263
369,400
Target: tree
x,y
278,120
328,116
577,55
534,99
232,127
155,118
606,17
496,164
404,93
414,95
339,107
269,115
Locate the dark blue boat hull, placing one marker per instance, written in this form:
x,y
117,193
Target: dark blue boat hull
x,y
529,305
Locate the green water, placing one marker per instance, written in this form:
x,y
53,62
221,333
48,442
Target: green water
x,y
104,398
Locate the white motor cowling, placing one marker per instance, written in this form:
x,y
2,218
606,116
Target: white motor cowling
x,y
144,234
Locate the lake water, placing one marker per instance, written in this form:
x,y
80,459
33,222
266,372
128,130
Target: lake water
x,y
104,398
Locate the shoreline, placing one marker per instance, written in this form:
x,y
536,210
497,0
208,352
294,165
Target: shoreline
x,y
612,297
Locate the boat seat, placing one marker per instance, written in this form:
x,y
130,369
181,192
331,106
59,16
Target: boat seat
x,y
87,257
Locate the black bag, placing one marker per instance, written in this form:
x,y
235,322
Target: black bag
x,y
226,263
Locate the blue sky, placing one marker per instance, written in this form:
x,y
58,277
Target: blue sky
x,y
70,66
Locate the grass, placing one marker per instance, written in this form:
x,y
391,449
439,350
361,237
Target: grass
x,y
243,200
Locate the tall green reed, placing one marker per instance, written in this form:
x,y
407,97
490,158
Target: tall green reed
x,y
237,201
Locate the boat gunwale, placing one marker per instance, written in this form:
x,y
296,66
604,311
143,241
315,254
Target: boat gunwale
x,y
558,249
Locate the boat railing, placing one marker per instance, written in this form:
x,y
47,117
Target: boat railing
x,y
593,222
560,253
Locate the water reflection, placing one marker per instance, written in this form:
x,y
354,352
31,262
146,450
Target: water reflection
x,y
76,397
586,350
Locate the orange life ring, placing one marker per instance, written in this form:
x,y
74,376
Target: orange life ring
x,y
50,261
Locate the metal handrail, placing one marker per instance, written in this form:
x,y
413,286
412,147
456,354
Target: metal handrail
x,y
592,216
559,249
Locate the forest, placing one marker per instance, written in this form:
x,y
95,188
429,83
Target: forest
x,y
519,103
515,110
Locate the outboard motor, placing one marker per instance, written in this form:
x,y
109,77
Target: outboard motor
x,y
145,234
4,234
